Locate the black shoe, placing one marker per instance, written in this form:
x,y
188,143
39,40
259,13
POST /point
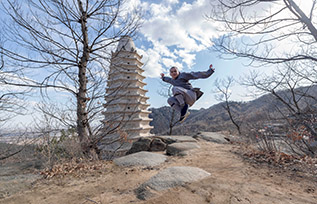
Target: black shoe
x,y
184,110
184,113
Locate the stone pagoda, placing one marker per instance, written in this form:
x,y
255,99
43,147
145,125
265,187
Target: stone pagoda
x,y
126,114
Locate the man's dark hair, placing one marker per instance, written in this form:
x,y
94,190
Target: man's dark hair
x,y
173,67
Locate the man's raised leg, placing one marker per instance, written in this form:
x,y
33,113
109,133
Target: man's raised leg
x,y
173,102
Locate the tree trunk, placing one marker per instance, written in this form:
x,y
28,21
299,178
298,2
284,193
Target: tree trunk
x,y
171,123
302,17
231,117
82,115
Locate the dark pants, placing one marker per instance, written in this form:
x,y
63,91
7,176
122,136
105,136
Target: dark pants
x,y
180,97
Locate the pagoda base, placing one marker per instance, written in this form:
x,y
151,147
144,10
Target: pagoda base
x,y
117,145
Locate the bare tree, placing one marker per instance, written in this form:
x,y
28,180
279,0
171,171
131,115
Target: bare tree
x,y
65,46
173,121
294,103
224,94
9,98
11,105
274,32
272,24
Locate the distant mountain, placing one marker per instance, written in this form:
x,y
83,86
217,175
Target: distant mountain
x,y
215,118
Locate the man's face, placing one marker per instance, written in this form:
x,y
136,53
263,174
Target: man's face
x,y
174,73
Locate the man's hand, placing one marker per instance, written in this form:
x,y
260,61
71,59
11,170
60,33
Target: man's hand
x,y
162,75
210,66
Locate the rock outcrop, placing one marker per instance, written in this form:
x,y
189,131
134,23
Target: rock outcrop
x,y
169,178
147,159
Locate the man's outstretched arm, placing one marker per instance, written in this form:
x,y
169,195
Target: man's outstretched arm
x,y
166,79
199,75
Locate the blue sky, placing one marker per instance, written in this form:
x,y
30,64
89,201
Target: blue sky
x,y
174,33
177,33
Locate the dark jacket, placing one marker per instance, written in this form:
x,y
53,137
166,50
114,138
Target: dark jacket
x,y
183,78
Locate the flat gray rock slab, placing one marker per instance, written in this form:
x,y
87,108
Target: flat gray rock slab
x,y
176,138
169,178
213,137
181,148
147,159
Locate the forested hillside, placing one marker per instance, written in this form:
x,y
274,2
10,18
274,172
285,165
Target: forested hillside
x,y
215,118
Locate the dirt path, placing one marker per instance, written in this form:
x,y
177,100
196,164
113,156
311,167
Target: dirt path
x,y
232,180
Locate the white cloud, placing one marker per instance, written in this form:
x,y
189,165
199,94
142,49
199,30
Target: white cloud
x,y
171,1
131,5
151,60
188,58
168,62
176,32
159,10
163,50
15,79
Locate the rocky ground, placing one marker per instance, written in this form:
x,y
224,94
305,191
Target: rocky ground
x,y
228,176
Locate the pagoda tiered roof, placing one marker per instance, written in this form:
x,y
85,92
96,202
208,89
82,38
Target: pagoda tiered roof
x,y
126,104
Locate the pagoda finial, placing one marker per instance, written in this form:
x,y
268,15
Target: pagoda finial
x,y
126,43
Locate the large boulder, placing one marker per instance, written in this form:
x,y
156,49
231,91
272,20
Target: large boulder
x,y
147,159
169,178
169,139
157,145
213,137
181,148
142,144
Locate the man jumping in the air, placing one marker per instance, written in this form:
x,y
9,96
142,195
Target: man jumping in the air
x,y
184,94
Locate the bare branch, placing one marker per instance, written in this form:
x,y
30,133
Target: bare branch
x,y
65,46
278,21
223,88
